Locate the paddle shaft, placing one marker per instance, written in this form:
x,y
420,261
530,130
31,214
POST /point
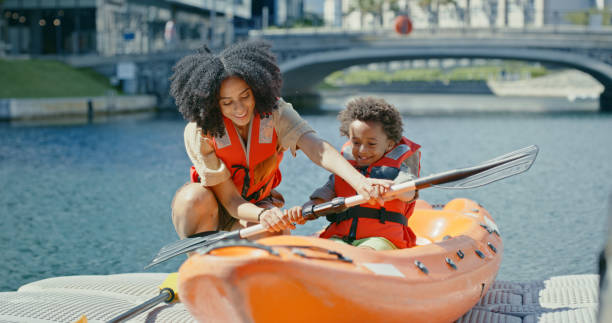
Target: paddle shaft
x,y
336,205
339,204
165,295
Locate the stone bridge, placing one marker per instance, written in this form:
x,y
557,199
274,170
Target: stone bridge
x,y
306,58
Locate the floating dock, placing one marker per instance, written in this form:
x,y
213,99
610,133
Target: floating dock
x,y
571,298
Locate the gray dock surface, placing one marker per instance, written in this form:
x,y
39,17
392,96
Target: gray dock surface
x,y
65,299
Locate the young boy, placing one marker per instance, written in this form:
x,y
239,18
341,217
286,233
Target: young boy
x,y
377,149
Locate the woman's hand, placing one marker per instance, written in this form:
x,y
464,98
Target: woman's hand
x,y
373,189
206,146
326,156
295,215
275,220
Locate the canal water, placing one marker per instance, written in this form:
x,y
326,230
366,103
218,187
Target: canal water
x,y
82,199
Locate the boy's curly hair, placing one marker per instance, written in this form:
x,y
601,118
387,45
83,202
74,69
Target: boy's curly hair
x,y
372,109
197,78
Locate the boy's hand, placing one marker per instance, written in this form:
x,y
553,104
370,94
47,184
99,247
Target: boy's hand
x,y
275,220
294,215
407,196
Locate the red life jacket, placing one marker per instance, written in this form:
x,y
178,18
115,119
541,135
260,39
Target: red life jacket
x,y
261,149
364,221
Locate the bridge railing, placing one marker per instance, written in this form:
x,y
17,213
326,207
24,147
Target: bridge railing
x,y
442,31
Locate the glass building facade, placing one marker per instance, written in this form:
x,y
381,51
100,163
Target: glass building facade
x,y
115,27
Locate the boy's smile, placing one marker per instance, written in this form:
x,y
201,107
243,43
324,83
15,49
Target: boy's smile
x,y
369,141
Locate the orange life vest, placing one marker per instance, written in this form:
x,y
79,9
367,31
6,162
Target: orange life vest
x,y
388,221
254,168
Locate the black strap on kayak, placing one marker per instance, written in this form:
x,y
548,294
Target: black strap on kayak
x,y
357,212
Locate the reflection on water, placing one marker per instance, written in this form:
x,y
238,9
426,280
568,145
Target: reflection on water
x,y
95,198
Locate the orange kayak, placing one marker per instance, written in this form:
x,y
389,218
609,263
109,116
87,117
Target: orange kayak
x,y
307,279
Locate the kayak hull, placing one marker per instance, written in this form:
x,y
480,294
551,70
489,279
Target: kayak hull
x,y
306,279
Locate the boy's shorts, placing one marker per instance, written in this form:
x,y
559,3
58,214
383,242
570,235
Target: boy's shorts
x,y
376,243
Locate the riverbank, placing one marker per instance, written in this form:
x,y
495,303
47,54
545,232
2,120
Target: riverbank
x,y
560,91
570,84
438,103
46,89
43,108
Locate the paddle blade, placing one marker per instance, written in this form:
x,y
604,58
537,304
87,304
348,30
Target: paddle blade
x,y
184,243
511,164
190,244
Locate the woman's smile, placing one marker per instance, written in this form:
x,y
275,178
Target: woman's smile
x,y
236,101
241,116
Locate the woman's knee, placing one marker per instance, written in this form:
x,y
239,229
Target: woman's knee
x,y
192,205
192,195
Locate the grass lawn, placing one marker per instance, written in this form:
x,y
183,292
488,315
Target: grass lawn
x,y
44,79
363,76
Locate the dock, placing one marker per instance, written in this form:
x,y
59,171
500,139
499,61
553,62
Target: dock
x,y
572,298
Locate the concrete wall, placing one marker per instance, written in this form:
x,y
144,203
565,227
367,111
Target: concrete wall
x,y
15,109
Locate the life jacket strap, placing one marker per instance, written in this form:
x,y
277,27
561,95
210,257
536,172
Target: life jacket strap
x,y
255,196
357,212
246,180
370,213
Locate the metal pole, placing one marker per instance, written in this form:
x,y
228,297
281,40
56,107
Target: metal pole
x,y
77,23
58,30
213,15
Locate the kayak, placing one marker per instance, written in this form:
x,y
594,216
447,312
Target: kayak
x,y
308,279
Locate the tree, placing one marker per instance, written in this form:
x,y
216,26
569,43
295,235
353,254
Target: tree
x,y
373,7
433,9
490,10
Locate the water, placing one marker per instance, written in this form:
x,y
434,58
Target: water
x,y
88,199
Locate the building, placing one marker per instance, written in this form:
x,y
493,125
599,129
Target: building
x,y
561,11
263,14
332,13
288,11
467,13
112,27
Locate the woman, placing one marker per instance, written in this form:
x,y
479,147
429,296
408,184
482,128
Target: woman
x,y
237,132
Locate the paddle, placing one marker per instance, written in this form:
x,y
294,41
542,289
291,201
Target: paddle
x,y
167,294
487,172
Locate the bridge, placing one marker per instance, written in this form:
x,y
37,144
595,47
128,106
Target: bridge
x,y
307,57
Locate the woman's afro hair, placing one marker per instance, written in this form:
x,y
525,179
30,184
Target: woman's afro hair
x,y
372,109
197,80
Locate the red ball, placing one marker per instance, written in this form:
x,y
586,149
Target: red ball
x,y
403,25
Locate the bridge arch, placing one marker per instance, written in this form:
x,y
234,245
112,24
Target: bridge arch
x,y
302,73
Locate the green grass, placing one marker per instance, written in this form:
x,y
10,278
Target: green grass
x,y
583,17
478,73
45,79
